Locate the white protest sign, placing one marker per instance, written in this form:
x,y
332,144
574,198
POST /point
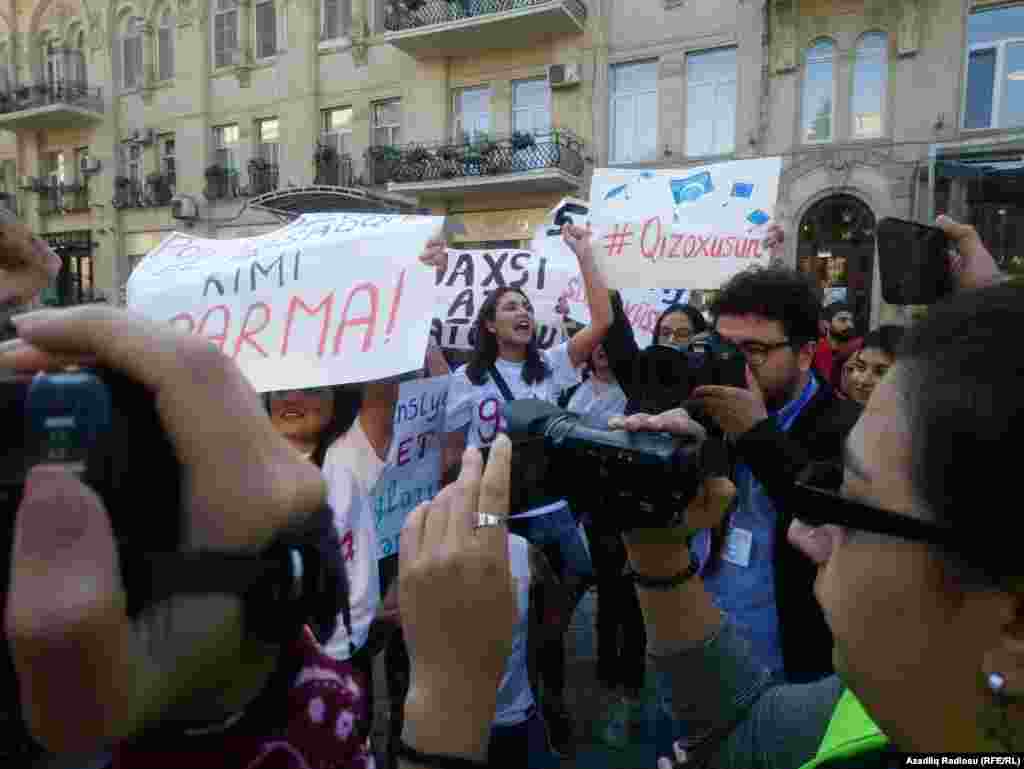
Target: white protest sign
x,y
689,227
471,275
414,473
326,300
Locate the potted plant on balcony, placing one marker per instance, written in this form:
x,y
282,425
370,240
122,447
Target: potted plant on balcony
x,y
383,159
216,182
522,140
123,192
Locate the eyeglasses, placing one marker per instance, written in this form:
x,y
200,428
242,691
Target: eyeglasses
x,y
678,335
756,352
815,501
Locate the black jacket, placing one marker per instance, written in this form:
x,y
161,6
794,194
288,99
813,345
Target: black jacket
x,y
776,459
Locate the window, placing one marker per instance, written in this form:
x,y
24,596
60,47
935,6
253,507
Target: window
x,y
387,123
819,92
994,95
77,74
131,53
268,133
870,73
81,162
225,147
531,106
165,46
54,63
168,166
335,19
634,112
711,102
472,110
265,17
337,129
132,155
225,32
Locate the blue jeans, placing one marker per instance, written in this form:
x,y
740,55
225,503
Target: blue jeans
x,y
558,535
522,745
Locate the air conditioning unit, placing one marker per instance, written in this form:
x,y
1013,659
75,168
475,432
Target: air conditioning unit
x,y
184,207
89,165
563,75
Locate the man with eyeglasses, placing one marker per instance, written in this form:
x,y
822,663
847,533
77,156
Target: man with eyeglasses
x,y
786,418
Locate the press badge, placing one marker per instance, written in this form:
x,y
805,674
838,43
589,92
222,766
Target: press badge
x,y
738,544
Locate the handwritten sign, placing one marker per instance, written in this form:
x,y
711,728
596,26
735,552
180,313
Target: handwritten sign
x,y
472,275
643,307
413,474
326,300
690,228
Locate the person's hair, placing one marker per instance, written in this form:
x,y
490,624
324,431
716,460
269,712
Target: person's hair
x,y
348,399
830,312
885,338
485,348
697,323
960,384
775,293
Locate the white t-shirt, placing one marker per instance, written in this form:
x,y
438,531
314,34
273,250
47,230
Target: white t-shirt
x,y
482,406
515,697
598,401
351,469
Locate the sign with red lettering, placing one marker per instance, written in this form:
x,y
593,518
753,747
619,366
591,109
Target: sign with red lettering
x,y
326,300
682,228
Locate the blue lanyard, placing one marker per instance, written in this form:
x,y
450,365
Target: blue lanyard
x,y
785,416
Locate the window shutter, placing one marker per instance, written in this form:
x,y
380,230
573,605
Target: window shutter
x,y
166,46
266,30
330,20
346,17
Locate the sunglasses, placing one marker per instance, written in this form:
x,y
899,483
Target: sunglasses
x,y
816,501
316,392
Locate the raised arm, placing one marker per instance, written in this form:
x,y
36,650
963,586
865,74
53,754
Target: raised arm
x,y
585,341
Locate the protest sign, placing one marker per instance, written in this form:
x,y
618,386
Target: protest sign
x,y
643,307
690,228
414,472
326,300
472,275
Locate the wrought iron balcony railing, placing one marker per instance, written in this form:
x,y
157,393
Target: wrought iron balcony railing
x,y
57,199
221,183
402,15
481,156
332,168
48,93
263,177
128,193
159,189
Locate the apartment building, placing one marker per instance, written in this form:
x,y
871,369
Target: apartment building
x,y
490,111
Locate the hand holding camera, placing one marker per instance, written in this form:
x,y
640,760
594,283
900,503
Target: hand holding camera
x,y
735,410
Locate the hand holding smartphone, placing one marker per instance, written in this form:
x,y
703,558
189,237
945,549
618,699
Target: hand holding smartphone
x,y
913,261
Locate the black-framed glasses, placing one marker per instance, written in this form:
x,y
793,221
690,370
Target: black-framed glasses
x,y
756,352
816,501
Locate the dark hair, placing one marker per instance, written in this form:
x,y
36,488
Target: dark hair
x,y
485,348
348,399
697,323
885,338
829,312
961,389
775,293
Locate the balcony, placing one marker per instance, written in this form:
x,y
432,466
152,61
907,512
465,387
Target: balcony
x,y
221,183
435,28
523,162
128,193
56,104
263,177
332,169
60,199
160,189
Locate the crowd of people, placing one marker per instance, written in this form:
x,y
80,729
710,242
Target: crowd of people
x,y
827,602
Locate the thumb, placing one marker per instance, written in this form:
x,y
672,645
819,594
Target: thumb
x,y
66,611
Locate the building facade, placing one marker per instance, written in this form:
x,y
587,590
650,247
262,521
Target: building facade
x,y
490,111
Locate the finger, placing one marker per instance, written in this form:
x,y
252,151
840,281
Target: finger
x,y
679,753
710,503
410,541
19,355
616,423
680,424
70,638
638,422
460,528
716,391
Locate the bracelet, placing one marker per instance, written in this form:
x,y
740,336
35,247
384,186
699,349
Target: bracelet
x,y
663,583
436,760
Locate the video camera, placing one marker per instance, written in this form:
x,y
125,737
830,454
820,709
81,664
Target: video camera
x,y
104,428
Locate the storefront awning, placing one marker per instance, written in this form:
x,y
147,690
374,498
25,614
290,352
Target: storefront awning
x,y
291,202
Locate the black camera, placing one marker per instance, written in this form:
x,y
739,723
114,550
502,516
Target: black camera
x,y
103,427
665,377
628,480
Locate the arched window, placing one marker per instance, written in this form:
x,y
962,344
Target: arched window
x,y
131,52
165,46
819,92
870,74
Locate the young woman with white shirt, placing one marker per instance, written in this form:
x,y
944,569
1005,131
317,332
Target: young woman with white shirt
x,y
506,364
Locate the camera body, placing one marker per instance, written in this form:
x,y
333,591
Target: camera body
x,y
103,427
646,478
666,376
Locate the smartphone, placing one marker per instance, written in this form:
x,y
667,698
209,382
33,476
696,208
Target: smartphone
x,y
913,261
